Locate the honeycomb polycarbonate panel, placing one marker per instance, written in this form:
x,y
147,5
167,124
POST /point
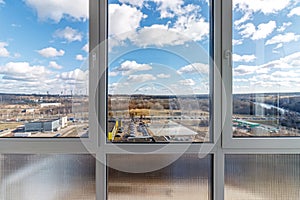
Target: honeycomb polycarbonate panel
x,y
47,177
262,177
189,177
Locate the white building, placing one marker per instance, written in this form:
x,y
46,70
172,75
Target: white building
x,y
41,126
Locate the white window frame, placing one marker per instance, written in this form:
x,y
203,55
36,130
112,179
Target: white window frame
x,y
105,148
97,144
289,143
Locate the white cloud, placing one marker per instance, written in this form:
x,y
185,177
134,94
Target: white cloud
x,y
163,76
192,27
294,11
141,78
158,35
284,26
68,34
80,57
168,8
264,30
194,68
247,30
264,6
23,71
243,58
54,65
280,45
59,9
247,16
261,32
51,52
237,42
187,82
130,67
189,26
283,38
138,3
124,20
16,25
86,48
113,73
289,62
281,74
2,2
3,51
75,75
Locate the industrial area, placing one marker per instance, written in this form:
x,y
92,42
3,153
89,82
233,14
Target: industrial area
x,y
148,118
43,115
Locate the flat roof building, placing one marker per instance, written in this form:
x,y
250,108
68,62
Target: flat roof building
x,y
43,125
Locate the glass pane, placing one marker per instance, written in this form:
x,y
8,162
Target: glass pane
x,y
43,68
47,177
159,74
266,70
187,178
262,177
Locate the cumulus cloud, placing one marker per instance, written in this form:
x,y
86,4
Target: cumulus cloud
x,y
187,82
80,57
74,75
265,6
294,11
243,58
68,34
124,20
54,65
261,32
51,52
283,38
284,26
24,71
129,67
163,76
141,78
158,35
247,16
168,8
195,68
247,30
86,48
59,9
237,42
3,51
189,25
289,62
137,3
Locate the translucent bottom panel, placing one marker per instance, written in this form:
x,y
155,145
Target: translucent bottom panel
x,y
187,178
47,177
262,177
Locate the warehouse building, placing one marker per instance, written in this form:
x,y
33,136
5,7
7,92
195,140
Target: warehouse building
x,y
41,126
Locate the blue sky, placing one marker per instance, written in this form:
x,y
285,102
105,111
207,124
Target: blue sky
x,y
43,45
159,46
155,46
266,46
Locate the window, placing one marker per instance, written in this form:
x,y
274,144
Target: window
x,y
44,72
164,90
160,66
265,70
